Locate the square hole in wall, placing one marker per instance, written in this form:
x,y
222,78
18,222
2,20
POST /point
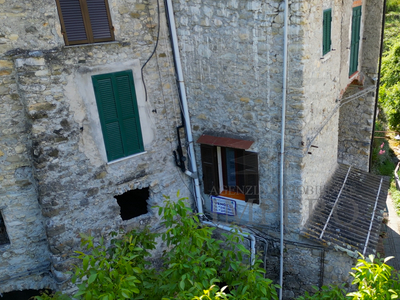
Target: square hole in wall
x,y
133,203
3,232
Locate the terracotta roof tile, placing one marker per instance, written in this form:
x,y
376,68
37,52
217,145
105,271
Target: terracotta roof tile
x,y
224,142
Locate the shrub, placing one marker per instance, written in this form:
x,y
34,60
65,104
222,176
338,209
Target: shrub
x,y
194,267
393,5
373,278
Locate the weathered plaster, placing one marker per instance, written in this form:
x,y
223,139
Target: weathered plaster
x,y
82,95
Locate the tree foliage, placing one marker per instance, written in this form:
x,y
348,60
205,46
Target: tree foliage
x,y
373,279
389,93
195,266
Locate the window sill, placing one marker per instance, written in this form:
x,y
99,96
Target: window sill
x,y
352,76
232,195
238,201
326,57
95,44
125,158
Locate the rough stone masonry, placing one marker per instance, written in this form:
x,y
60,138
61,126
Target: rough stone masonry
x,y
55,180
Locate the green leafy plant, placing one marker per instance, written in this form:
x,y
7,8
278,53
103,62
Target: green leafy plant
x,y
115,272
52,296
375,279
195,264
197,260
211,295
326,292
393,5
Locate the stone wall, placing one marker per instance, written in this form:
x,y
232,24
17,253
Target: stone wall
x,y
305,265
232,54
357,114
334,130
56,181
24,222
232,59
355,130
321,89
54,173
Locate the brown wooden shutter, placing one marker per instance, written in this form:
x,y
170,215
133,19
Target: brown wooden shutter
x,y
251,177
210,169
100,20
85,21
72,22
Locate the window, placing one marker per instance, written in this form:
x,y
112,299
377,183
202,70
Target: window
x,y
85,21
119,115
3,232
326,34
133,203
355,39
230,172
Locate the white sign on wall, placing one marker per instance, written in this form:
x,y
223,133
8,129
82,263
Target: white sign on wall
x,y
223,206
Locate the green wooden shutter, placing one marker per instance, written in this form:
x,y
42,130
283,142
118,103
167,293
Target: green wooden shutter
x,y
355,39
119,115
251,177
210,169
326,32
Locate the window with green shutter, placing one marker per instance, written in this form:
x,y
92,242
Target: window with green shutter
x,y
326,33
355,39
119,115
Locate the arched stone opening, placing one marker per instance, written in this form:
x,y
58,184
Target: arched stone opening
x,y
356,115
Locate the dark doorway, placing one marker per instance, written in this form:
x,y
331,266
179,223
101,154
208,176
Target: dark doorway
x,y
22,295
3,232
133,203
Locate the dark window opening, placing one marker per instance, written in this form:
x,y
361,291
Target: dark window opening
x,y
133,203
232,169
3,232
230,172
22,295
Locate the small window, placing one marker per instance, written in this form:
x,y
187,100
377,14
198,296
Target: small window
x,y
327,28
119,114
133,203
355,39
85,21
3,232
230,172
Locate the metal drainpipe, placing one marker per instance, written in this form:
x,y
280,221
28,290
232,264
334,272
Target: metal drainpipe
x,y
185,110
244,234
182,90
282,152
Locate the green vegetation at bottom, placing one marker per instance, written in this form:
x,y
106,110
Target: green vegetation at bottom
x,y
196,266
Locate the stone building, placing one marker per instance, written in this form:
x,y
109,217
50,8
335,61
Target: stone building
x,y
59,176
90,112
233,55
